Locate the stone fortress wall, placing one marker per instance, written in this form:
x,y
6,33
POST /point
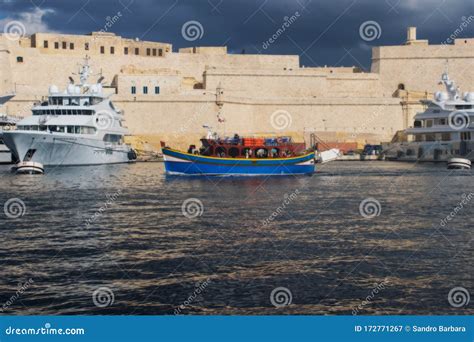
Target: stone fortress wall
x,y
255,94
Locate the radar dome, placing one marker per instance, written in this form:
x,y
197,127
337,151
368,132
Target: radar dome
x,y
441,96
469,97
53,89
70,89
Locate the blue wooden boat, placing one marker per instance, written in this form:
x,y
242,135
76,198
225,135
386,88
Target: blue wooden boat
x,y
238,156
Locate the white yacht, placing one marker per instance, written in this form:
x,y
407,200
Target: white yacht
x,y
443,131
7,122
77,126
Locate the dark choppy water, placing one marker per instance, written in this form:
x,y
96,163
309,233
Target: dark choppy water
x,y
72,243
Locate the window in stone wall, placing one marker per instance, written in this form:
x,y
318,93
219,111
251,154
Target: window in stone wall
x,y
64,45
160,52
19,59
145,90
133,90
125,50
56,45
112,50
71,46
148,52
154,52
102,50
45,44
157,90
137,51
86,46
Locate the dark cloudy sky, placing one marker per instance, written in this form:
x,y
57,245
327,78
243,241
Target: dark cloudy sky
x,y
326,32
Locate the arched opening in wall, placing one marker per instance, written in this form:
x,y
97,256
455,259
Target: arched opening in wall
x,y
401,86
19,59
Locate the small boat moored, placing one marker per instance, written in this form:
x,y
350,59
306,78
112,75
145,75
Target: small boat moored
x,y
29,168
459,164
240,156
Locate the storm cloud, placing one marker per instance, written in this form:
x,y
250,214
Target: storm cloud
x,y
321,32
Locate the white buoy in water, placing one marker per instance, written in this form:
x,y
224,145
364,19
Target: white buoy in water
x,y
459,163
29,168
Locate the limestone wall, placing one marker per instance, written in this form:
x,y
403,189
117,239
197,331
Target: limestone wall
x,y
342,104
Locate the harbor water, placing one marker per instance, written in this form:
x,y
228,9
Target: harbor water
x,y
355,238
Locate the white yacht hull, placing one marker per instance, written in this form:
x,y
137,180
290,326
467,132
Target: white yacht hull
x,y
64,149
429,152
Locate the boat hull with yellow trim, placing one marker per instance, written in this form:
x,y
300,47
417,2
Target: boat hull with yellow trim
x,y
181,163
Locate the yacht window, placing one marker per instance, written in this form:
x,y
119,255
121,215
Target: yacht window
x,y
442,122
74,112
112,138
69,112
446,136
465,136
70,129
429,123
61,129
417,123
43,128
58,112
77,129
436,111
463,106
66,101
430,137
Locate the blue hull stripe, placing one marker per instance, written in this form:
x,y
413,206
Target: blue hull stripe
x,y
192,164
